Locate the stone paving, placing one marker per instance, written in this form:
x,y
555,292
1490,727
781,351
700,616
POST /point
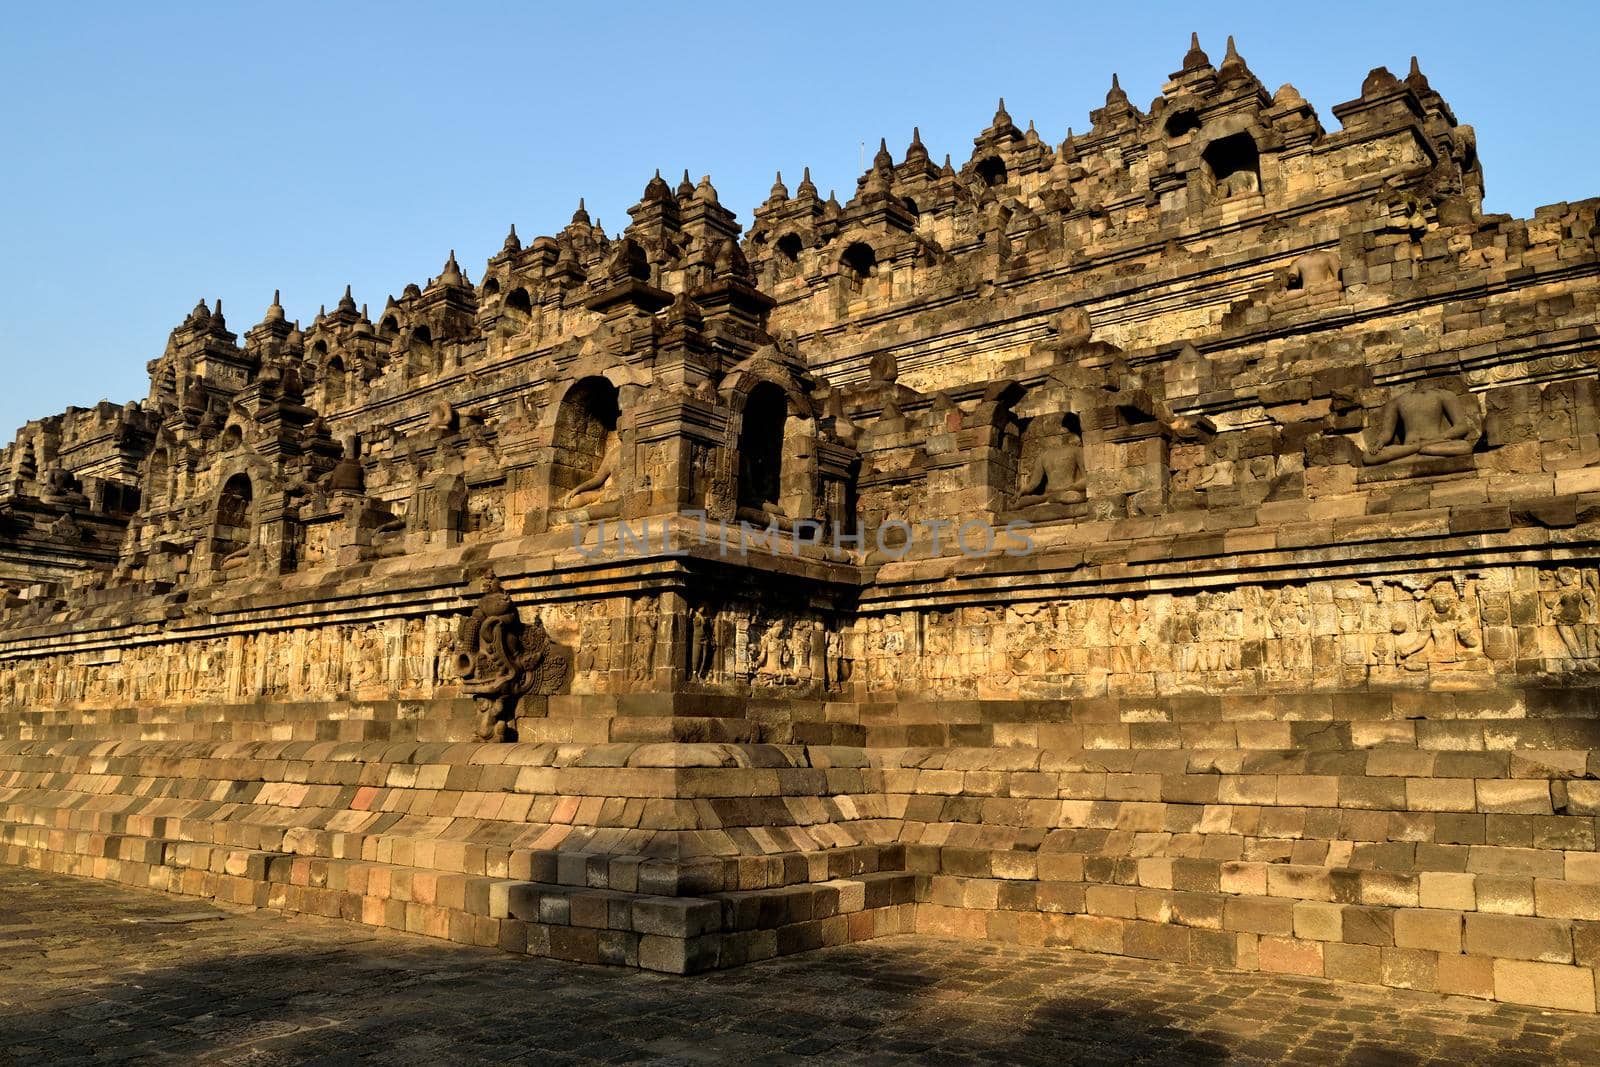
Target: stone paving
x,y
98,973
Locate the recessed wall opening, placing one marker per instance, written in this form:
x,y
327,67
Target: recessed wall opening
x,y
516,311
1234,165
859,261
585,436
1182,122
992,171
766,410
333,384
235,517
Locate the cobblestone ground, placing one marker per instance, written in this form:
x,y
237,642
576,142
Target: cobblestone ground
x,y
97,973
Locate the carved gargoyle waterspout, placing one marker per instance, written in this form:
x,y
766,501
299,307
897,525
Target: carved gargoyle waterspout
x,y
500,660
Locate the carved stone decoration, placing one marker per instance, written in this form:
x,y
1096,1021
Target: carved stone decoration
x,y
1316,272
702,642
499,660
1056,472
1425,421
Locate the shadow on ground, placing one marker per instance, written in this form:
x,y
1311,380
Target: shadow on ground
x,y
92,973
425,1005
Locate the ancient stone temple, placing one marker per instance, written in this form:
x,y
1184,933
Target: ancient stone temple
x,y
1177,540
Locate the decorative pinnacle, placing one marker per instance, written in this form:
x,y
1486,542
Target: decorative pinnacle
x,y
1195,58
916,150
882,160
1233,63
1116,95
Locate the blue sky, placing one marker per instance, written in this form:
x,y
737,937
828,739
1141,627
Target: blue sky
x,y
160,152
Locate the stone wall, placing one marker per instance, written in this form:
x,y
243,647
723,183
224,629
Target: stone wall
x,y
1278,651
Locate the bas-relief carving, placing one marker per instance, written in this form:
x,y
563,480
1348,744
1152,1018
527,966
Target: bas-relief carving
x,y
1443,632
388,659
702,642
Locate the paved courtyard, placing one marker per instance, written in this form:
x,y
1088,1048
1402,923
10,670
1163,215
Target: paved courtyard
x,y
97,973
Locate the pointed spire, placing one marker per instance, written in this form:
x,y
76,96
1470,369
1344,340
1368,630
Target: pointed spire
x,y
1416,79
451,274
347,302
275,309
806,187
1032,135
1001,116
779,191
915,151
685,187
513,243
1069,148
947,171
1116,95
1195,58
580,216
882,160
1233,63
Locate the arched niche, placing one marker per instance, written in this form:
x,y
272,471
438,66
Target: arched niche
x,y
516,311
333,384
761,448
858,262
158,479
1181,122
992,171
235,518
1233,166
586,445
422,358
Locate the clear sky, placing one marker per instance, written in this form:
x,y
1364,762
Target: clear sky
x,y
160,152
